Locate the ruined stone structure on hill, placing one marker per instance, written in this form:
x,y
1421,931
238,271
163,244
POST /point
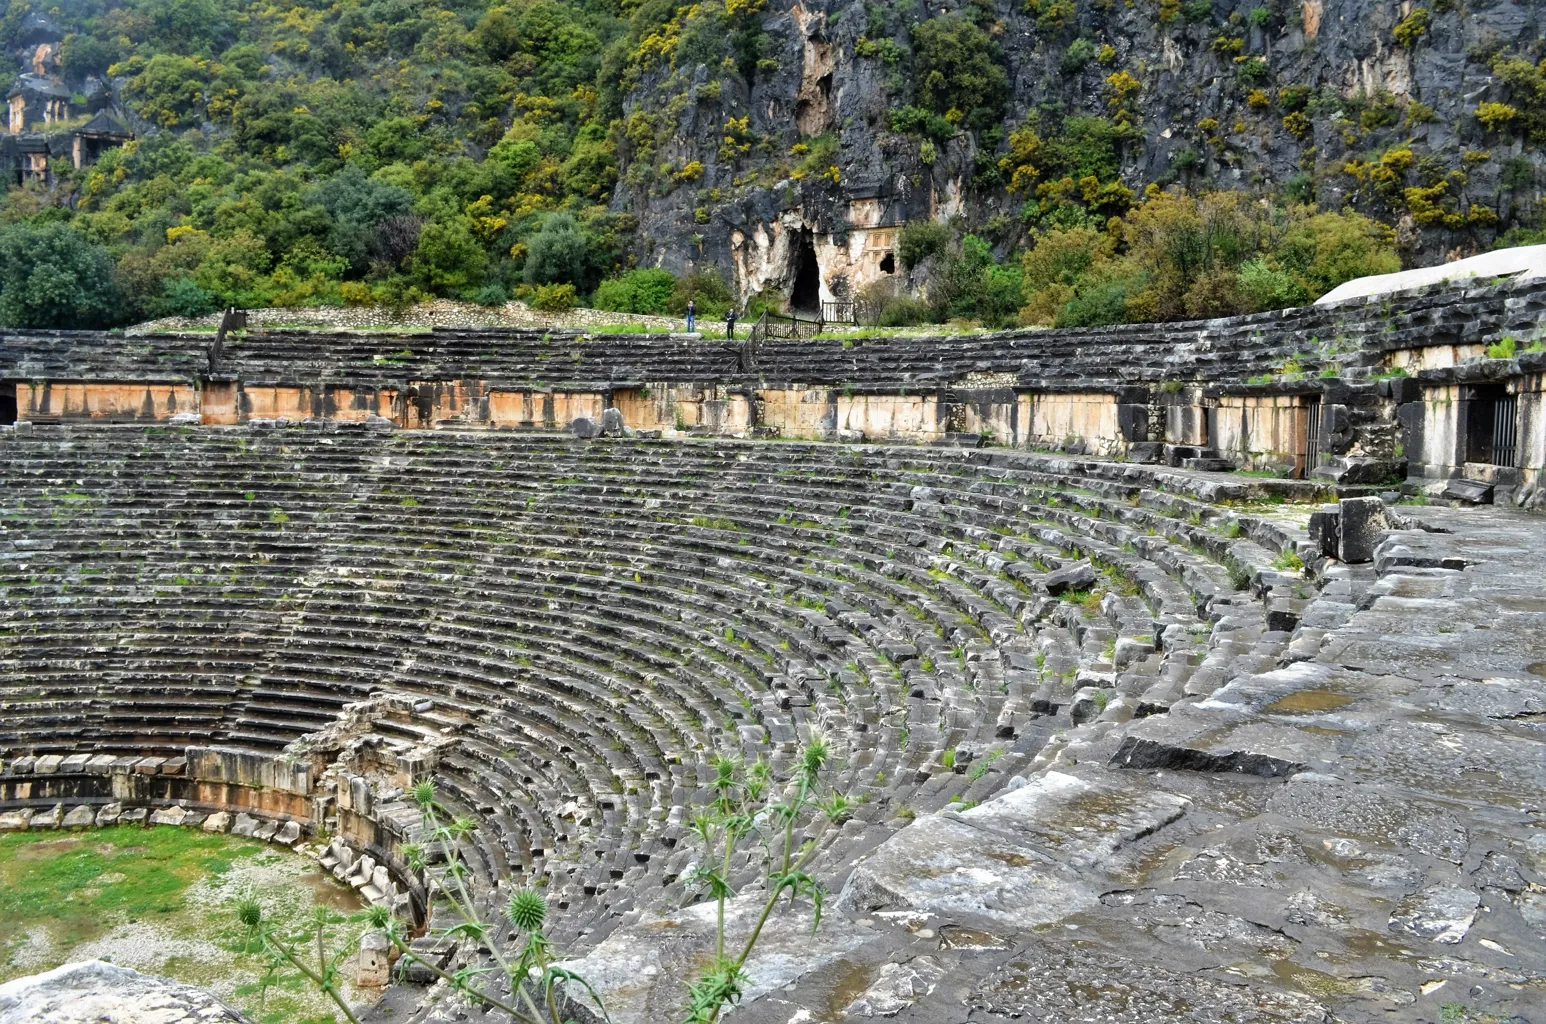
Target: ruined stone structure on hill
x,y
1130,737
44,117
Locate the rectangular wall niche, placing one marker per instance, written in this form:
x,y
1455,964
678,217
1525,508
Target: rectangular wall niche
x,y
1491,426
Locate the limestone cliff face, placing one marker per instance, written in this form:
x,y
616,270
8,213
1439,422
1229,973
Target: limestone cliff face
x,y
1265,95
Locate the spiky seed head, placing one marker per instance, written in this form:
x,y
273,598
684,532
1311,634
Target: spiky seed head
x,y
249,913
724,771
527,910
378,915
815,755
424,793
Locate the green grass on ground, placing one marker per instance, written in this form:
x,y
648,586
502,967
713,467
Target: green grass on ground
x,y
162,901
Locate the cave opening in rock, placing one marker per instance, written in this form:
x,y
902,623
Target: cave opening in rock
x,y
888,263
805,296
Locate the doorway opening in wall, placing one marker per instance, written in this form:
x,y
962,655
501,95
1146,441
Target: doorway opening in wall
x,y
1492,426
1312,436
805,297
7,403
888,263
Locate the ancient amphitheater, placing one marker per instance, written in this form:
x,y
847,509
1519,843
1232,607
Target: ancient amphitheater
x,y
1153,708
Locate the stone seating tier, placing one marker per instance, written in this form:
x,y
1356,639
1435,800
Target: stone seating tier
x,y
584,624
1352,336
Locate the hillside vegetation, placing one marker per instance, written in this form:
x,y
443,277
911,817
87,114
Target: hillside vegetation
x,y
387,151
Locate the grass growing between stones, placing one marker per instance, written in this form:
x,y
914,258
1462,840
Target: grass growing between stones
x,y
158,900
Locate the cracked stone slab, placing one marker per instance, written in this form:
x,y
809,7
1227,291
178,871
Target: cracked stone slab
x,y
1053,984
897,986
1030,857
1439,914
640,970
94,992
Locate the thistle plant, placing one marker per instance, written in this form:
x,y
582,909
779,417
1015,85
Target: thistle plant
x,y
308,949
522,974
748,805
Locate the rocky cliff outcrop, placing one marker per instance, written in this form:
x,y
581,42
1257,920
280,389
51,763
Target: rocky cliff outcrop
x,y
784,142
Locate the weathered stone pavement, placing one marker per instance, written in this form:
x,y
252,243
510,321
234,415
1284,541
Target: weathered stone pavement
x,y
1378,852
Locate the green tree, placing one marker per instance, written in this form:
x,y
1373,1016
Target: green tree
x,y
959,71
448,259
558,253
918,240
52,277
167,90
359,207
1327,249
82,55
708,291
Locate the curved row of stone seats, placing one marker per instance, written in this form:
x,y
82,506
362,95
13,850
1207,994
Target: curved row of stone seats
x,y
495,355
53,355
591,621
1350,336
502,355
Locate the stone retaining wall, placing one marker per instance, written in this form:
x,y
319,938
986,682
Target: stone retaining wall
x,y
1294,391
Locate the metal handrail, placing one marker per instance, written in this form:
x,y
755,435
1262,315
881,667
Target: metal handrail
x,y
747,356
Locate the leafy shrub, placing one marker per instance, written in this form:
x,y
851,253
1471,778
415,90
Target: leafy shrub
x,y
919,240
769,300
183,297
1096,305
707,290
1412,27
903,311
1294,97
488,295
1327,249
1052,15
1268,287
449,258
558,253
645,290
1065,256
1527,87
922,123
1251,70
553,298
1496,117
969,284
1300,189
1079,54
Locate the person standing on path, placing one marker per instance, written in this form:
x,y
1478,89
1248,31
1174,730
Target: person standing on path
x,y
730,324
692,315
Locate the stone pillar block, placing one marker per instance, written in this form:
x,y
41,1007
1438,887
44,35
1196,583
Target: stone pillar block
x,y
1361,521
